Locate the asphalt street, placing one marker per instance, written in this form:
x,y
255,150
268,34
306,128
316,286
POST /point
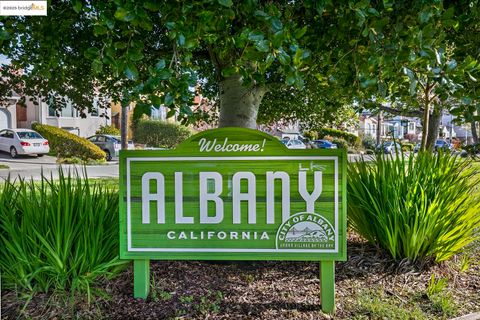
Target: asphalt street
x,y
32,167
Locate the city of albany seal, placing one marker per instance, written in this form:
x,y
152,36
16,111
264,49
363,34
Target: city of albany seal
x,y
306,230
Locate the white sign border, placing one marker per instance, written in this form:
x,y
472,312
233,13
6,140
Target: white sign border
x,y
270,158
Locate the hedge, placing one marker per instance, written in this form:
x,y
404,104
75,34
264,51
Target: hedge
x,y
159,134
67,145
351,139
111,130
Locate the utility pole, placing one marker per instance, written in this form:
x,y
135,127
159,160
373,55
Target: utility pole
x,y
124,125
379,127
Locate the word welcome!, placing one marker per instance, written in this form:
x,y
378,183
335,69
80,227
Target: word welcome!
x,y
213,145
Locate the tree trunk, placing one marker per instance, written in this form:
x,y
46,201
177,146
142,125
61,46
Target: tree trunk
x,y
379,127
239,104
426,120
473,125
433,127
124,126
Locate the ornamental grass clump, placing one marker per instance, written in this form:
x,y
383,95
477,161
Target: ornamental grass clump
x,y
420,208
57,235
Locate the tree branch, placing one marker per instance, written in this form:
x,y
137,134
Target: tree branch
x,y
408,113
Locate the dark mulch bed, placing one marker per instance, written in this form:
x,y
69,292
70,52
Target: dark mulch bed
x,y
258,290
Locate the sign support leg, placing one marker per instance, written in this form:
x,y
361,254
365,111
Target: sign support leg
x,y
141,278
327,286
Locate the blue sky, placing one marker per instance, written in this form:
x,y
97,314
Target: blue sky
x,y
3,59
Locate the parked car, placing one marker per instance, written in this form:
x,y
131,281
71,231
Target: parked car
x,y
416,148
389,147
111,145
323,144
293,144
23,141
443,145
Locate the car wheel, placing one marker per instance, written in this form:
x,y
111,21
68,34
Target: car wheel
x,y
108,156
13,152
39,155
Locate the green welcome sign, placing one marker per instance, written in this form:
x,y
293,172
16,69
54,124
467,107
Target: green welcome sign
x,y
233,194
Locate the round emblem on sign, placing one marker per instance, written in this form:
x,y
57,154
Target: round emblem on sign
x,y
305,230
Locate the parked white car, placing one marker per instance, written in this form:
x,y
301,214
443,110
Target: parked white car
x,y
23,141
294,144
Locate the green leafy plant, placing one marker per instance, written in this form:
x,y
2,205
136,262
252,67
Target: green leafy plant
x,y
341,143
416,207
350,138
441,299
369,142
67,145
111,130
57,234
155,133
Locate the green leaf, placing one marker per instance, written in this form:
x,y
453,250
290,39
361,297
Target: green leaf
x,y
120,45
164,74
135,55
181,40
160,64
77,6
262,46
124,15
97,66
91,53
298,57
225,3
255,36
452,64
4,35
99,30
131,71
283,57
300,32
168,99
276,24
448,14
152,5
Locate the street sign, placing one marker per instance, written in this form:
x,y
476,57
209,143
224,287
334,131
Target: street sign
x,y
233,194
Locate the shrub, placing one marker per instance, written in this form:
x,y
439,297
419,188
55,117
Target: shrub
x,y
352,140
341,143
160,134
369,142
111,130
59,235
473,150
418,207
407,147
311,135
67,145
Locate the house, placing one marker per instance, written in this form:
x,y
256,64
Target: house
x,y
8,115
18,116
398,127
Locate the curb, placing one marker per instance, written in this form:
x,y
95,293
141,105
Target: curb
x,y
471,316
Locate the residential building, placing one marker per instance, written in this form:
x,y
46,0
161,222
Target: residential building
x,y
70,119
398,127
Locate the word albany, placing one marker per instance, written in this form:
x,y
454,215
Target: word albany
x,y
211,190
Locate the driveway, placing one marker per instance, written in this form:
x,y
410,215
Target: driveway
x,y
32,167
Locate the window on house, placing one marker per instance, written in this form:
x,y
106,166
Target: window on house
x,y
68,110
51,107
411,126
95,110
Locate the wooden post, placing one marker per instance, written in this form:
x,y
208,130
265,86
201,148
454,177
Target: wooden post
x,y
141,278
327,286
